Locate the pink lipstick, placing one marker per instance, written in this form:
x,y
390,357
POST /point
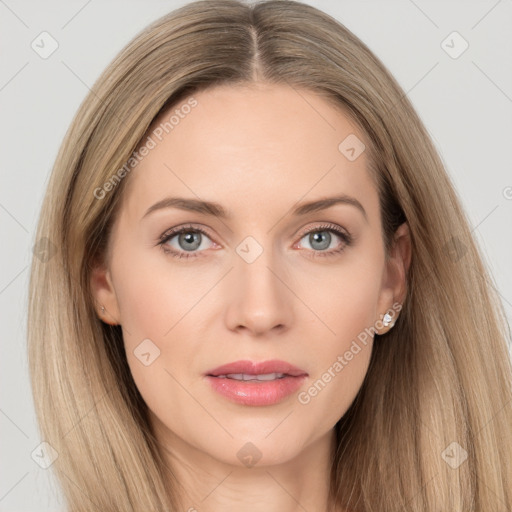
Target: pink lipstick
x,y
251,383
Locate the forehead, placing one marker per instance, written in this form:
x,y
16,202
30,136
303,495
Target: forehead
x,y
250,146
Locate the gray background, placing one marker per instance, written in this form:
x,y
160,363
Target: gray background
x,y
465,102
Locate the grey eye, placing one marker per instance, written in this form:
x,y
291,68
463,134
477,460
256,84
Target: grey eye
x,y
319,240
189,241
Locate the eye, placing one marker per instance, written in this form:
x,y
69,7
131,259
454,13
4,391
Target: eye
x,y
189,239
320,239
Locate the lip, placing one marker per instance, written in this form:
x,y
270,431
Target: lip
x,y
255,368
256,393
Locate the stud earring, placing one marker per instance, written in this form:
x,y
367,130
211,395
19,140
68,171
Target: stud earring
x,y
387,319
103,309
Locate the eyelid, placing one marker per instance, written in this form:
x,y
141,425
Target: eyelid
x,y
323,226
177,229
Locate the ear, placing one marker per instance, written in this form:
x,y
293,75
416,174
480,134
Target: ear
x,y
104,295
394,282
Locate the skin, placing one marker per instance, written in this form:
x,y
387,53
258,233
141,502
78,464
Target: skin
x,y
257,150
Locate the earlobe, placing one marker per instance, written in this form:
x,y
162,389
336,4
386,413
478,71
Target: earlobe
x,y
103,291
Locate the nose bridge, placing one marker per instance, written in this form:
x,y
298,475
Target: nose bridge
x,y
261,300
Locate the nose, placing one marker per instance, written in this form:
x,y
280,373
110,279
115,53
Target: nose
x,y
259,300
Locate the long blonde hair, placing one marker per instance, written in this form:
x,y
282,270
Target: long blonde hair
x,y
442,375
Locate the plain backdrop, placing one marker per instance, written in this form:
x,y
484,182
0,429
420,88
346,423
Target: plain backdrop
x,y
464,100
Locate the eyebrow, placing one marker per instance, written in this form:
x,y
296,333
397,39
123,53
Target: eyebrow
x,y
217,210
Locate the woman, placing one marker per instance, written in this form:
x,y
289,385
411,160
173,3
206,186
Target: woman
x,y
266,294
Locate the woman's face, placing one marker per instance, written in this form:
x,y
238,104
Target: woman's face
x,y
269,279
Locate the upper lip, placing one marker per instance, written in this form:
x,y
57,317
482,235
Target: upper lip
x,y
255,368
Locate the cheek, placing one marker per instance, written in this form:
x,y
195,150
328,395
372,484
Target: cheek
x,y
345,298
342,361
348,305
153,293
160,306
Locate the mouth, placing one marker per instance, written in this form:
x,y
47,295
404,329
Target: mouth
x,y
256,384
252,369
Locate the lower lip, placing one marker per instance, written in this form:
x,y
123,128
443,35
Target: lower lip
x,y
256,392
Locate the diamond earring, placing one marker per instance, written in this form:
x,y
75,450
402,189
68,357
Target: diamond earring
x,y
387,319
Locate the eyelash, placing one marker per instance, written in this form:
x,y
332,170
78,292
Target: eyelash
x,y
345,236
